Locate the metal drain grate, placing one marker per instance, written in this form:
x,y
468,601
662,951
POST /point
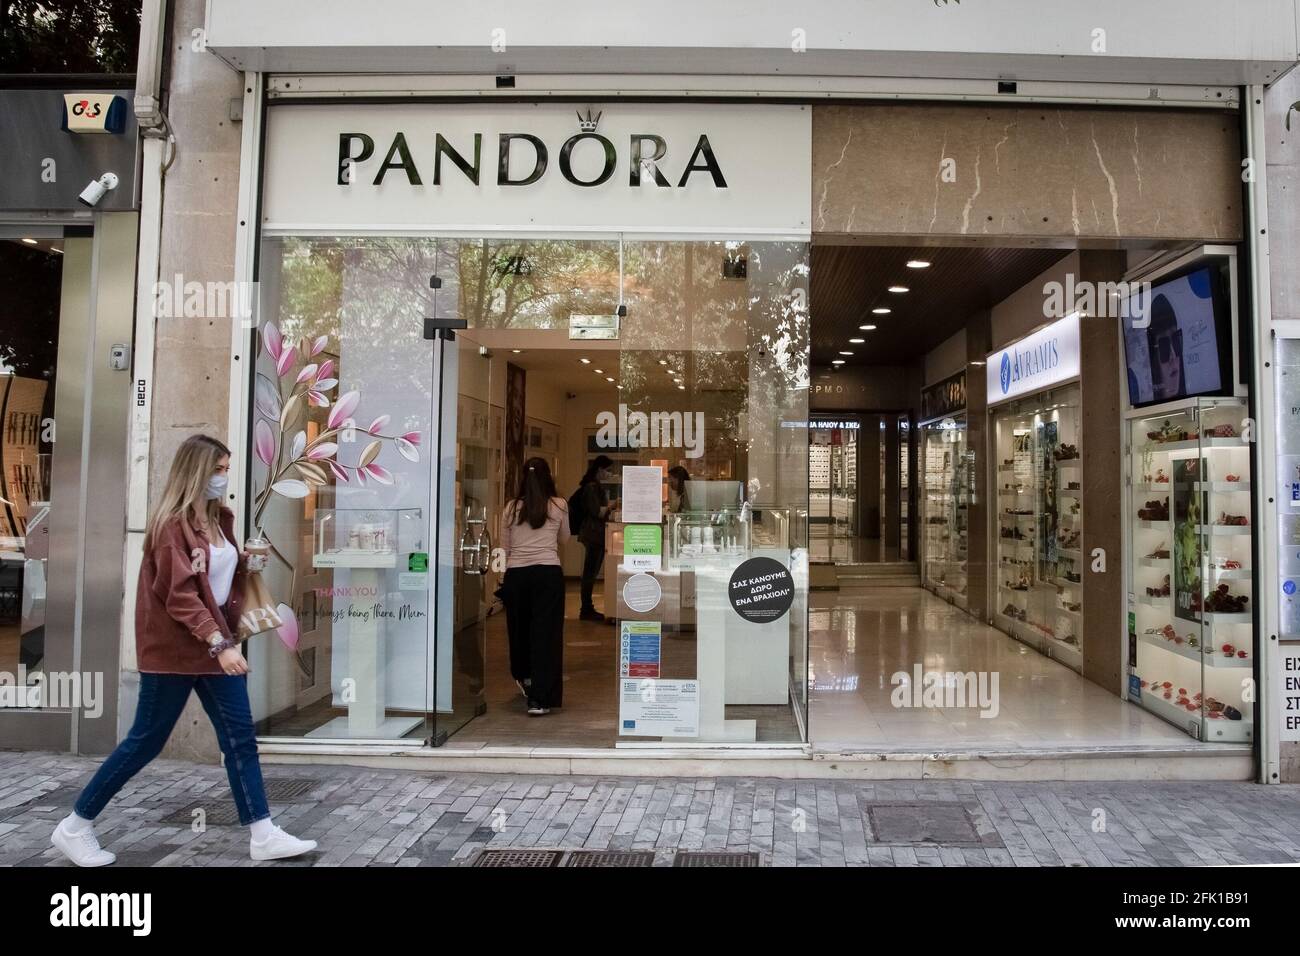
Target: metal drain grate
x,y
529,858
924,824
610,858
223,814
290,788
715,858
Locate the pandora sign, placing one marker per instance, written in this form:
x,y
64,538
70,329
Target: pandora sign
x,y
742,170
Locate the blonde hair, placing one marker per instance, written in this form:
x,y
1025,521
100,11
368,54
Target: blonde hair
x,y
187,482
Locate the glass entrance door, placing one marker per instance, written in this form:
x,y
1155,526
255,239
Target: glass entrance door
x,y
833,489
467,496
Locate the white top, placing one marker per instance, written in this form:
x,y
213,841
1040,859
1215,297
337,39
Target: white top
x,y
527,546
222,561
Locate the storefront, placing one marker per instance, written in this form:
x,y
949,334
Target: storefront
x,y
948,482
1192,554
447,291
68,223
1036,402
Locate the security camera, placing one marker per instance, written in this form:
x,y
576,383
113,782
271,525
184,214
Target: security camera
x,y
98,189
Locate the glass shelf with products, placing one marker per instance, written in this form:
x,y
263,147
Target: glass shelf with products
x,y
947,471
1190,575
1038,523
366,537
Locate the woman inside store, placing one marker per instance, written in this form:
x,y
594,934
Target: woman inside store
x,y
595,511
677,478
186,615
534,525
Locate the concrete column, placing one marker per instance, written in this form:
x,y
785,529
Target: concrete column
x,y
192,354
1103,481
979,444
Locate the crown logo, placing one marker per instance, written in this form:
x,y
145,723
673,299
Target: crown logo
x,y
589,123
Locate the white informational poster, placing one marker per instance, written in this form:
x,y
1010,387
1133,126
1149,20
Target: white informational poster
x,y
658,708
642,494
1289,662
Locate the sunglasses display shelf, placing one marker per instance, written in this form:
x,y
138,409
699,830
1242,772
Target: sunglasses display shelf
x,y
945,509
1038,519
1190,568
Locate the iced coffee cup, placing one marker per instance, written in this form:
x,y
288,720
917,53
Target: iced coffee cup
x,y
258,550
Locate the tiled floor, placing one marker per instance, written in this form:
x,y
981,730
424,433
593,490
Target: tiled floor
x,y
860,639
393,818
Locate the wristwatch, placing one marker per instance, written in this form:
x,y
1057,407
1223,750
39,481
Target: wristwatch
x,y
218,643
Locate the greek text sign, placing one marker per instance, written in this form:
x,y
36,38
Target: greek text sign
x,y
761,590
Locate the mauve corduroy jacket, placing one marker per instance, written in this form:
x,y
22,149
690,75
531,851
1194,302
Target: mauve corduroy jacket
x,y
175,612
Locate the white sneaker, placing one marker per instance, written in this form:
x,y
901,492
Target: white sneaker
x,y
279,846
81,848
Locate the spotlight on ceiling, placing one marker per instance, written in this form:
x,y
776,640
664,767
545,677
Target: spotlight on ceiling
x,y
918,264
899,289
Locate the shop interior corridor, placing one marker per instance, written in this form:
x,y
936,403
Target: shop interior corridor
x,y
861,638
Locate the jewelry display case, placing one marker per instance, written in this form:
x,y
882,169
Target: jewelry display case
x,y
1039,523
1191,620
945,507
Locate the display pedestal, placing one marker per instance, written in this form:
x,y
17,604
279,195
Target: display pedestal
x,y
713,617
366,668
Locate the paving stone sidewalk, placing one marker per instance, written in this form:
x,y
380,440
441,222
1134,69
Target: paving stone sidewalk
x,y
364,817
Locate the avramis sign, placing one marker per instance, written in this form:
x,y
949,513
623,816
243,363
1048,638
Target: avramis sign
x,y
1038,361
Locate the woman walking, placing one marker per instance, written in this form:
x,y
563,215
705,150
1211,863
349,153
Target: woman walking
x,y
535,524
185,619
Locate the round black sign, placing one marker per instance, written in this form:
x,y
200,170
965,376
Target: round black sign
x,y
761,590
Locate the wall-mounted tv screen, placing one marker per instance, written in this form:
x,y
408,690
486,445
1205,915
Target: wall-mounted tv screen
x,y
1178,338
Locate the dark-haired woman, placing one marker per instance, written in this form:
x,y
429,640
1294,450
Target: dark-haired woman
x,y
535,524
595,511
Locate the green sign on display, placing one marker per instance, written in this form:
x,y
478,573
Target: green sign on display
x,y
643,546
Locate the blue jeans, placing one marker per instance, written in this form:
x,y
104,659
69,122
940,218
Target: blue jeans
x,y
162,698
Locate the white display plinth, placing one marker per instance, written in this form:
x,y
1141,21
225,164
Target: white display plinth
x,y
714,619
366,668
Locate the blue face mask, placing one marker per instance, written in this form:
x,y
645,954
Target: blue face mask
x,y
216,487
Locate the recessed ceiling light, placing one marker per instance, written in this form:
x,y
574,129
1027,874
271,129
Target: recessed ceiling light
x,y
516,351
899,289
838,362
846,353
977,363
867,328
681,388
30,242
608,378
600,371
856,341
880,310
663,361
918,264
585,361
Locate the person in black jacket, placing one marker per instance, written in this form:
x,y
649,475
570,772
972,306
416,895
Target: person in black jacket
x,y
596,509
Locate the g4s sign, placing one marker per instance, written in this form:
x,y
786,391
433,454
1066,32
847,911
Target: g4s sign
x,y
93,113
